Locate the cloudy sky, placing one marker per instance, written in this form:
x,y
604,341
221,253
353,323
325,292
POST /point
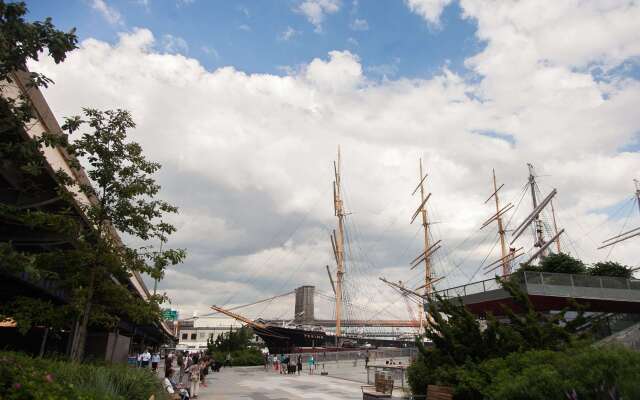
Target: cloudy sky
x,y
245,103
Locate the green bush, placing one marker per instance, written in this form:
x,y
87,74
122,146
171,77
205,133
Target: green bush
x,y
241,358
588,373
23,377
611,268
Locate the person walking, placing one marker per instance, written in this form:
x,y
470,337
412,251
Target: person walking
x,y
311,364
204,370
146,357
168,361
180,362
194,378
155,360
299,364
227,361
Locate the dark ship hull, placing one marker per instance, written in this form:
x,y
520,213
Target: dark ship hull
x,y
279,339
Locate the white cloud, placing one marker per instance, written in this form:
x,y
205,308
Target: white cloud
x,y
430,10
352,42
174,44
244,27
359,25
248,156
288,33
316,10
341,73
211,51
181,3
109,13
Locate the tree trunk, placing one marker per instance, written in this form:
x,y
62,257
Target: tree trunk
x,y
71,340
116,334
43,343
80,338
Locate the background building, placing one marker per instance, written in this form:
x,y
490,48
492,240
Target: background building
x,y
194,332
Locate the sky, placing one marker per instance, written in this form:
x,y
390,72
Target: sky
x,y
245,103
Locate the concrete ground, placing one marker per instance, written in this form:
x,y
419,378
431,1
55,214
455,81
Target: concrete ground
x,y
254,383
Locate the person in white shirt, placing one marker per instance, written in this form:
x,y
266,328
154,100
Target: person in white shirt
x,y
155,360
173,388
146,357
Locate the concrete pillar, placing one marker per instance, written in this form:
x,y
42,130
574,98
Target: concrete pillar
x,y
304,310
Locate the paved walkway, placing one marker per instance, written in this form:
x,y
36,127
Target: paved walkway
x,y
253,383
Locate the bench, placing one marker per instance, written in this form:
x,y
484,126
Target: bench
x,y
383,388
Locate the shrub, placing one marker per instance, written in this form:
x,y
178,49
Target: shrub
x,y
610,268
586,373
562,263
23,377
241,358
460,343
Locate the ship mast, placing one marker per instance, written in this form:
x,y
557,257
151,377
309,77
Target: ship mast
x,y
555,227
337,240
637,182
429,248
427,259
507,254
506,262
539,242
533,219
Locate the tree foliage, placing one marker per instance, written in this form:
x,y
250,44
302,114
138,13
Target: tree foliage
x,y
576,373
461,341
93,266
22,154
611,268
123,198
230,341
558,263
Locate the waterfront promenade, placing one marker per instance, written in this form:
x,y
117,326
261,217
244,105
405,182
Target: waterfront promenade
x,y
254,383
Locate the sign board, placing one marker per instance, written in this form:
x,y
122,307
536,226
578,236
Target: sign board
x,y
170,315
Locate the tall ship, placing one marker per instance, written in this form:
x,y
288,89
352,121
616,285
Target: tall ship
x,y
304,331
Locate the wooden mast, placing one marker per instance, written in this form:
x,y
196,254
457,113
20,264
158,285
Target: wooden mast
x,y
555,228
539,240
506,262
637,183
338,242
427,257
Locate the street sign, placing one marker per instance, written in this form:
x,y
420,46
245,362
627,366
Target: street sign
x,y
169,314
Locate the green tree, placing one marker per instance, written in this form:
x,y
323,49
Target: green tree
x,y
559,263
92,265
23,161
610,268
576,373
459,339
124,199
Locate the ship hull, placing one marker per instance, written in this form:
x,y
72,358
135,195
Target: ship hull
x,y
286,340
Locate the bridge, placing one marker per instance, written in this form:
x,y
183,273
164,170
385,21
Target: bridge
x,y
551,291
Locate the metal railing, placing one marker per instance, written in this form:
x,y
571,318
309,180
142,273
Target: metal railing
x,y
356,355
531,278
